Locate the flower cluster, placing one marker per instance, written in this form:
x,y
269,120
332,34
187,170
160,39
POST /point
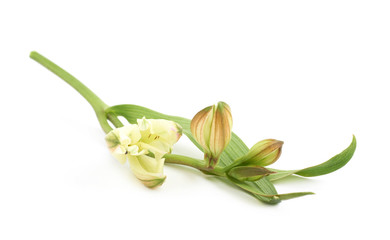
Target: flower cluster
x,y
212,129
144,145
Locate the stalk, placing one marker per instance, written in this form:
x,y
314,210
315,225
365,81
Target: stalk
x,y
97,104
195,163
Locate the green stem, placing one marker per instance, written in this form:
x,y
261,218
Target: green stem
x,y
97,104
195,163
114,119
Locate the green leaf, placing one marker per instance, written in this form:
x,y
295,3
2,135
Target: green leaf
x,y
329,166
332,164
287,196
269,198
279,174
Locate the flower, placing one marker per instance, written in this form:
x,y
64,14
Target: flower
x,y
144,144
212,128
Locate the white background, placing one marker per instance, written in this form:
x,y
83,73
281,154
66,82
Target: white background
x,y
310,73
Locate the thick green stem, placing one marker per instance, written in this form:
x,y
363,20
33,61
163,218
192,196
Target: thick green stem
x,y
114,119
195,163
97,104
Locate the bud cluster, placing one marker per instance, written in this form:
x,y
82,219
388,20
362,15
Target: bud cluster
x,y
251,167
212,129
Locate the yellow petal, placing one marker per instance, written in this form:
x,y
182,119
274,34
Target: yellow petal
x,y
148,170
151,165
135,151
120,157
119,139
160,136
143,124
166,131
112,141
158,148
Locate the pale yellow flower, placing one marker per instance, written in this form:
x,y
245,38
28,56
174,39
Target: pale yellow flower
x,y
144,144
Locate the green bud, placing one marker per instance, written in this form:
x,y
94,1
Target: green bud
x,y
249,173
264,153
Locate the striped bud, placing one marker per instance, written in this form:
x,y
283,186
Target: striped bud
x,y
264,153
212,128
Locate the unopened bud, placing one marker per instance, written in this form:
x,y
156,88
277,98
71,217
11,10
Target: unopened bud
x,y
212,129
264,153
248,173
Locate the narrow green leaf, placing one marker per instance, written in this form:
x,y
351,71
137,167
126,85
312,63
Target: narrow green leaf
x,y
332,164
279,174
268,198
329,166
264,185
233,151
287,196
258,193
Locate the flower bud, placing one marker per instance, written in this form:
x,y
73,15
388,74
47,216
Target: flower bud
x,y
264,153
212,127
247,173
